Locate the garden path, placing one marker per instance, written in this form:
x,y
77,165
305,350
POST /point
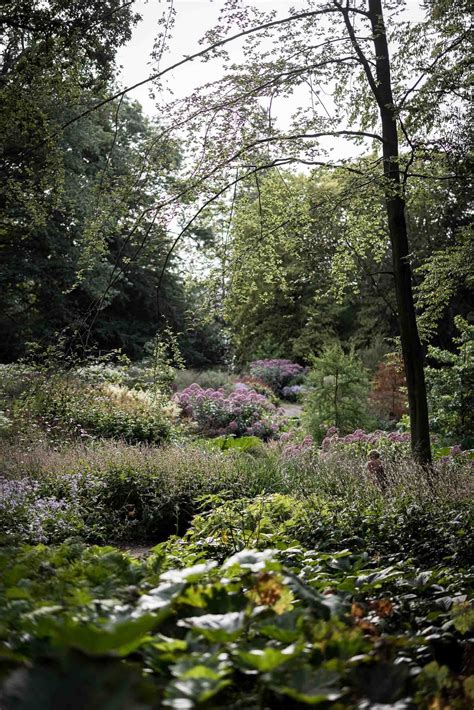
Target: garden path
x,y
292,410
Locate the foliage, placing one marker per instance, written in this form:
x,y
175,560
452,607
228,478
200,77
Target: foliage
x,y
107,490
241,412
277,373
387,397
84,251
207,379
360,442
451,388
337,392
292,626
65,406
447,278
287,291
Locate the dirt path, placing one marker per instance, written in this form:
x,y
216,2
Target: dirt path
x,y
138,551
292,410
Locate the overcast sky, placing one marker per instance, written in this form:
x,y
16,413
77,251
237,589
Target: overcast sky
x,y
193,18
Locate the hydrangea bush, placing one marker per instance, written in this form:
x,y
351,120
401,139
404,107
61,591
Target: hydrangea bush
x,y
242,412
277,373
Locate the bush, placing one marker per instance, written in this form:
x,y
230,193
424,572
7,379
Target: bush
x,y
242,412
113,491
388,398
108,490
207,379
277,373
293,393
253,383
67,406
451,388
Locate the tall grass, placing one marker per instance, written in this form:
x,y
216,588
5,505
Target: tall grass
x,y
188,468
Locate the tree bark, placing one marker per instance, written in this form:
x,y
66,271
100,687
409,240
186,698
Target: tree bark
x,y
395,205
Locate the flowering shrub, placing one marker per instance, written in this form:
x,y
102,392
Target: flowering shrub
x,y
293,392
244,411
277,373
253,383
361,442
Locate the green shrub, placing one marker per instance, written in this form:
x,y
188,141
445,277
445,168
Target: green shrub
x,y
207,379
106,411
451,388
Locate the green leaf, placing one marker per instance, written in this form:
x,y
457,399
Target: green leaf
x,y
310,686
267,659
216,627
117,637
282,628
158,598
251,560
188,574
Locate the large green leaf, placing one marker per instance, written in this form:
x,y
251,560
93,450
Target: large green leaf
x,y
267,659
216,627
309,685
118,637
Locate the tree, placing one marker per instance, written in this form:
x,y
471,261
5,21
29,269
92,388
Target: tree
x,y
321,270
346,57
364,54
338,389
83,249
388,394
451,387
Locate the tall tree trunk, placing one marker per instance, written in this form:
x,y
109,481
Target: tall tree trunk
x,y
395,205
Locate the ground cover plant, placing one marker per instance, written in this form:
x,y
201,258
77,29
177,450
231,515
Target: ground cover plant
x,y
283,575
285,627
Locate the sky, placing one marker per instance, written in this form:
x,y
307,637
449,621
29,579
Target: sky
x,y
193,18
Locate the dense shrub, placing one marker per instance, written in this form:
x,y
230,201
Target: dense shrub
x,y
15,378
112,491
207,379
241,412
277,373
388,397
451,388
259,386
68,406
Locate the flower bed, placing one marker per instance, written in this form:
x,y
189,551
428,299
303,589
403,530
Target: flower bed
x,y
362,441
243,412
277,373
